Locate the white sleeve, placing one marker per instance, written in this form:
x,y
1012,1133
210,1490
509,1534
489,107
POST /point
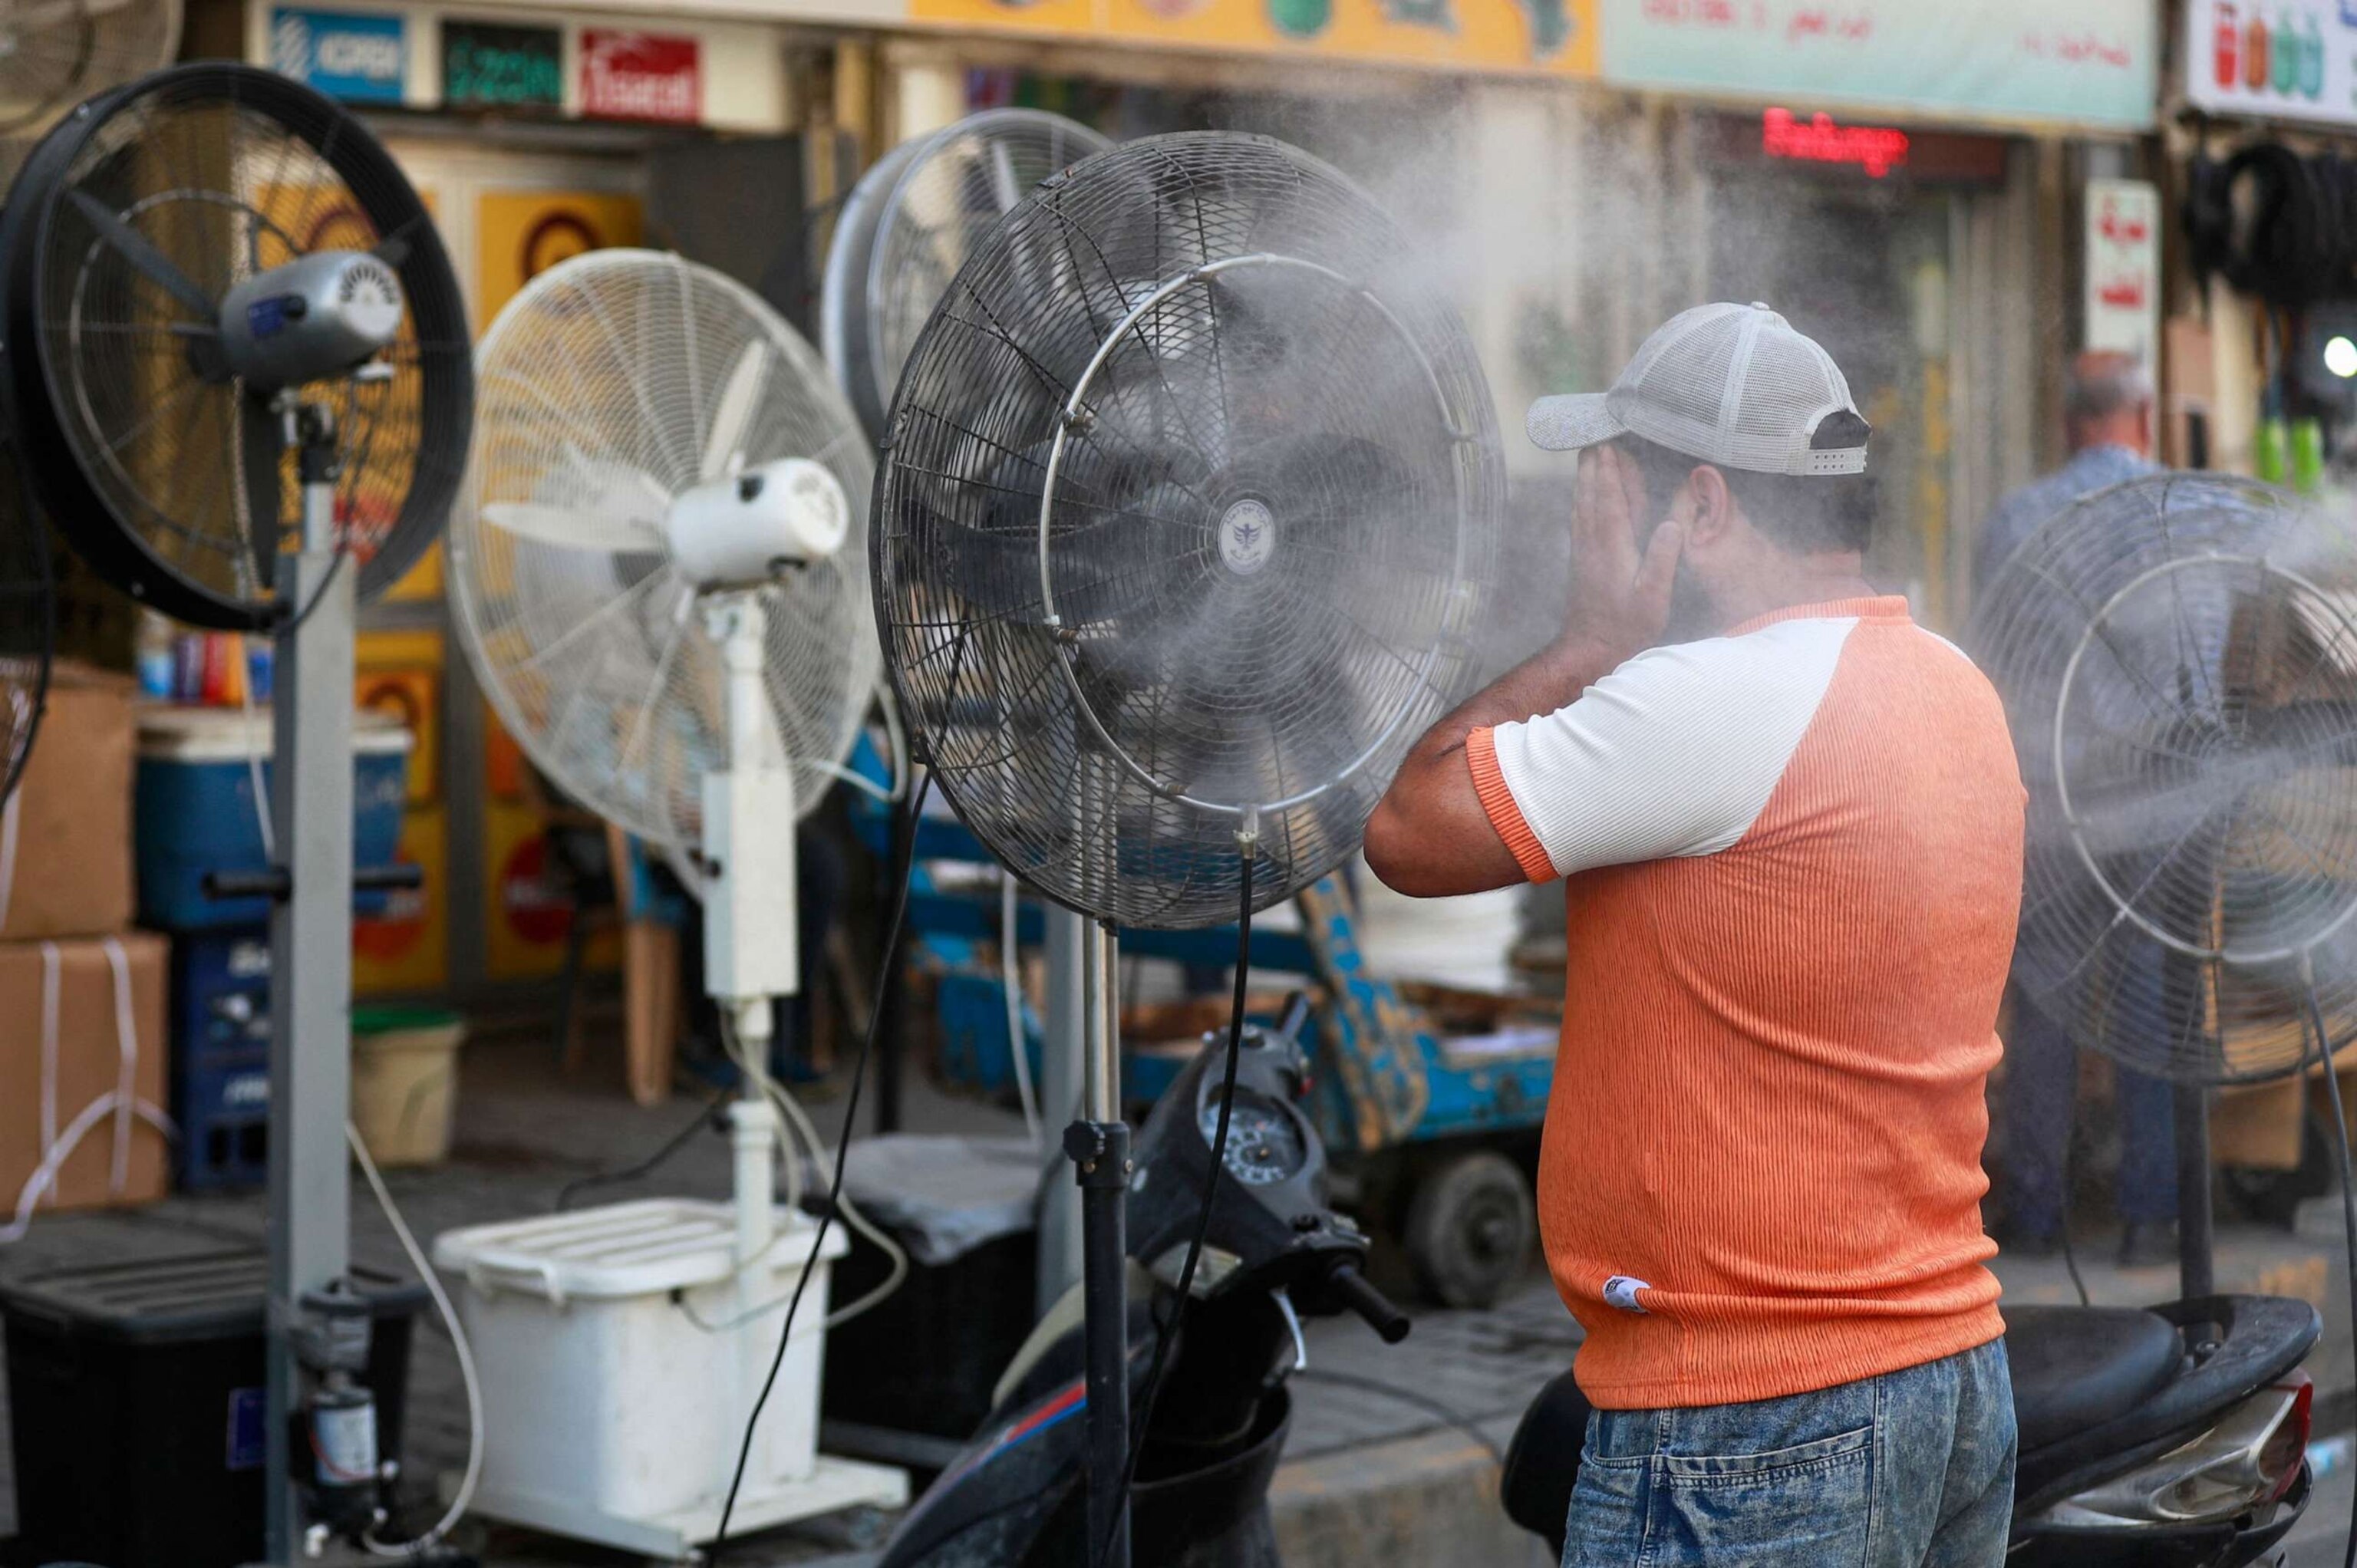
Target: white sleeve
x,y
1674,753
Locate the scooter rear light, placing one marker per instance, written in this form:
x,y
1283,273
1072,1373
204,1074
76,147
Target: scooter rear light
x,y
2248,1459
2286,1447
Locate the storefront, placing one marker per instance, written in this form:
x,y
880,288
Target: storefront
x,y
1582,169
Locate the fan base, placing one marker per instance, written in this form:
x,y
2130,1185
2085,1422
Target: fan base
x,y
834,1484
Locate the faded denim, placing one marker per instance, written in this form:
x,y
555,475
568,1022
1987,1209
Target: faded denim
x,y
1911,1469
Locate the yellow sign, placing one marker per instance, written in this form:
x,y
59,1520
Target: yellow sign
x,y
1554,38
406,947
522,234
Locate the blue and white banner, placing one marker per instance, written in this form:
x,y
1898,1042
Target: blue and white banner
x,y
359,57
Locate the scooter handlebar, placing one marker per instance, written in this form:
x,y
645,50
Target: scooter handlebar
x,y
1351,1289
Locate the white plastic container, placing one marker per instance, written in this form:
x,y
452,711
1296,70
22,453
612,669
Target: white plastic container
x,y
605,1396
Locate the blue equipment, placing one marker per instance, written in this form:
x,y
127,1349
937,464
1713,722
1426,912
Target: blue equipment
x,y
1438,1129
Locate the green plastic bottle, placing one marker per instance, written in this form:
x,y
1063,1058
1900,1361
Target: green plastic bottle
x,y
2270,449
2307,455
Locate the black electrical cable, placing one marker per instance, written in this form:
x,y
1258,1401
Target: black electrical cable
x,y
2347,1194
2070,1256
1445,1415
884,963
1142,1417
647,1166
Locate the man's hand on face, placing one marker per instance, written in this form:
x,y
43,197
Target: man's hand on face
x,y
1620,595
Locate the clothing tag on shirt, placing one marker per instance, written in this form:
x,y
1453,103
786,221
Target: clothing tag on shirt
x,y
1621,1290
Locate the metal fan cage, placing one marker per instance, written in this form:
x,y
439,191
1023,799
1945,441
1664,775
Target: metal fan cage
x,y
2179,659
173,481
26,619
600,387
912,222
55,53
1188,508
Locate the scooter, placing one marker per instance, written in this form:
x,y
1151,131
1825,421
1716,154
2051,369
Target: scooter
x,y
2172,1437
1276,1253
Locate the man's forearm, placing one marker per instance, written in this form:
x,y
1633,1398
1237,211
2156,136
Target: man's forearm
x,y
1552,677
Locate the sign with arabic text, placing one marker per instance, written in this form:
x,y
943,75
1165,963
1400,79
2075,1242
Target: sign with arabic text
x,y
642,76
2123,266
496,65
2091,62
355,56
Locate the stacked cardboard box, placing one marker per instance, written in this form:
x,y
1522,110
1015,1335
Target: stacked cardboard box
x,y
82,1052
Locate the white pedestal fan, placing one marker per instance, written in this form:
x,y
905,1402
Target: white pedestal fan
x,y
659,569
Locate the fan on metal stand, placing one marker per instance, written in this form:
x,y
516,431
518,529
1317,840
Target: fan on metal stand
x,y
2180,671
1187,506
235,357
910,223
658,578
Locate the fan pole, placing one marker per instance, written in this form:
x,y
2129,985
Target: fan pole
x,y
1098,1146
311,960
749,957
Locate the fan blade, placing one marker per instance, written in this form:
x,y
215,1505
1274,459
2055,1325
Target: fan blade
x,y
616,535
134,247
723,447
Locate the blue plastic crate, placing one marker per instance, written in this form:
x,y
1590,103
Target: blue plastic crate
x,y
221,1056
193,809
221,993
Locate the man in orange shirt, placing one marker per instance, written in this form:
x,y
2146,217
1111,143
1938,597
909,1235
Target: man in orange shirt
x,y
1789,825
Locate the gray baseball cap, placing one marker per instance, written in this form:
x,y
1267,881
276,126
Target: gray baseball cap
x,y
1730,384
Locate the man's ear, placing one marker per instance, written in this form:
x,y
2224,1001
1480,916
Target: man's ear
x,y
1714,506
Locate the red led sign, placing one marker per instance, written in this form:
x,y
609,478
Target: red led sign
x,y
1876,149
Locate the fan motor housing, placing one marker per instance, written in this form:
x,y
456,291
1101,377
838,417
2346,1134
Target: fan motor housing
x,y
751,525
318,316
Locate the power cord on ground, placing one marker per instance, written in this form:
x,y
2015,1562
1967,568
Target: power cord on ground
x,y
883,966
1142,1418
672,1146
1445,1415
428,1543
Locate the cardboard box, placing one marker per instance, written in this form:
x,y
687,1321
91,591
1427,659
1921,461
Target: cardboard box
x,y
88,1065
69,874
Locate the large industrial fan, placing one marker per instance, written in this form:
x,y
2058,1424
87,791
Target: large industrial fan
x,y
659,577
912,222
2179,659
26,630
55,54
235,357
1187,508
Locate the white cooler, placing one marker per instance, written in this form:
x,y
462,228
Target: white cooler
x,y
616,1378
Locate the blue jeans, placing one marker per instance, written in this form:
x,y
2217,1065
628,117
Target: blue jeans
x,y
1911,1469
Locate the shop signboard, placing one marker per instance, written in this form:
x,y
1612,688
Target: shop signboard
x,y
355,56
1553,38
496,65
2278,61
2123,266
642,76
2093,62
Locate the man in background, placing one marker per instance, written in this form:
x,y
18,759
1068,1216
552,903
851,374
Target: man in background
x,y
2108,408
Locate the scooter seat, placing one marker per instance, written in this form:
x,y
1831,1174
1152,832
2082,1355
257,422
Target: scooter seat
x,y
2076,1368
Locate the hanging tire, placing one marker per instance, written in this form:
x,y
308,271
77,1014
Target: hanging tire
x,y
1470,1228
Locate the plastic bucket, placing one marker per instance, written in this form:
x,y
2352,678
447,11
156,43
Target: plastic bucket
x,y
406,1082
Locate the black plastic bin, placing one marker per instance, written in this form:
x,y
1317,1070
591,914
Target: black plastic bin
x,y
135,1400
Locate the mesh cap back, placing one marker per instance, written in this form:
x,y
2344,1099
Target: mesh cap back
x,y
1731,384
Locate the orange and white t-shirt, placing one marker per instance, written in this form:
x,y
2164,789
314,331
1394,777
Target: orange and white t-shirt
x,y
1792,857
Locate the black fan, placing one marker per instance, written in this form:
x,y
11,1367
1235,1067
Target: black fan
x,y
1186,510
162,247
25,627
1184,516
